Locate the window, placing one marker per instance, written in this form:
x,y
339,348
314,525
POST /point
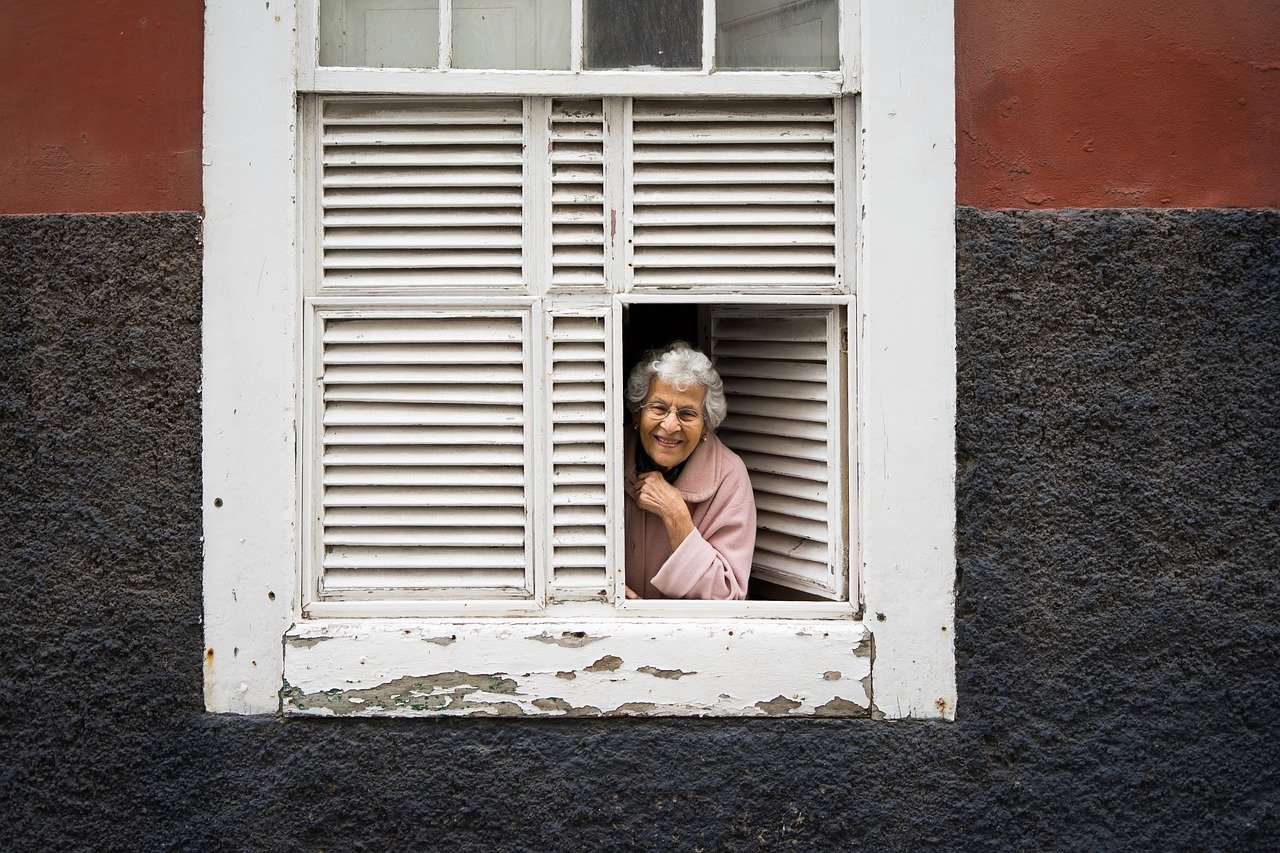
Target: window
x,y
412,435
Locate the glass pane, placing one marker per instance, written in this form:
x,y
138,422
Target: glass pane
x,y
380,33
638,33
511,34
777,34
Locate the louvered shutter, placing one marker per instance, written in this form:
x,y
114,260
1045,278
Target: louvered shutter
x,y
781,369
422,194
577,195
734,195
426,455
579,455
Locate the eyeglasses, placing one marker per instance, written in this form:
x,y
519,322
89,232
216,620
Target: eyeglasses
x,y
659,412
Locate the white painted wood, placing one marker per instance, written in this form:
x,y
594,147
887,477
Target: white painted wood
x,y
734,195
583,84
249,333
576,41
579,550
904,392
423,449
446,34
780,367
687,667
425,194
708,35
906,345
578,214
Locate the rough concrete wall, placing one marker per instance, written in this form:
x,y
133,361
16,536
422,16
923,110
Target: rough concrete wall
x,y
1119,536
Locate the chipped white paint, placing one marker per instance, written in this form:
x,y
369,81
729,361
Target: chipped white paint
x,y
906,352
584,668
249,328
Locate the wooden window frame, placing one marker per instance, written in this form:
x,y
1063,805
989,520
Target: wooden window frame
x,y
700,665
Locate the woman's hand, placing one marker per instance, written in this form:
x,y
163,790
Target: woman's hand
x,y
654,494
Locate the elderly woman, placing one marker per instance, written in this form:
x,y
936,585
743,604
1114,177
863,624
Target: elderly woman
x,y
691,515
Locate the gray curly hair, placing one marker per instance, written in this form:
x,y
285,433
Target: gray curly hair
x,y
681,366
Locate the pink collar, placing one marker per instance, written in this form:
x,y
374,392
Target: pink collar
x,y
701,474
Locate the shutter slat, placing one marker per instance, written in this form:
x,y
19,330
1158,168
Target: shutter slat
x,y
426,194
738,236
421,516
423,473
448,497
422,238
405,373
424,455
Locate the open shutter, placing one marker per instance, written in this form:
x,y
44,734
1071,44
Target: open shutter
x,y
426,455
781,370
579,457
734,195
422,194
577,195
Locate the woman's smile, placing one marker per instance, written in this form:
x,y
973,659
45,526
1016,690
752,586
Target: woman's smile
x,y
666,439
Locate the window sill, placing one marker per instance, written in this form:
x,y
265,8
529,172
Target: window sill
x,y
578,668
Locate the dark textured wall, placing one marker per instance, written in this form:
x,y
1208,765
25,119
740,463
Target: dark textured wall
x,y
1119,536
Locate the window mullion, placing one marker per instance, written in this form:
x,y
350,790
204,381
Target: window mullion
x,y
708,35
446,34
576,35
616,177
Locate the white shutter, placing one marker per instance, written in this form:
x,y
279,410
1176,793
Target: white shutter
x,y
579,456
426,454
422,194
734,195
781,369
577,195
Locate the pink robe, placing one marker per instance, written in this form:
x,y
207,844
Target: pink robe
x,y
714,561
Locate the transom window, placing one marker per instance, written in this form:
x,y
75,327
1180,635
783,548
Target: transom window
x,y
580,35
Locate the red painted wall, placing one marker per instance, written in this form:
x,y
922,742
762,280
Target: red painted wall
x,y
100,105
1118,103
1074,103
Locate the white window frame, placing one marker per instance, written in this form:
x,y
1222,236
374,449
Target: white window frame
x,y
257,648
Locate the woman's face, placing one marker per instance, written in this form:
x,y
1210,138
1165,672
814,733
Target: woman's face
x,y
668,439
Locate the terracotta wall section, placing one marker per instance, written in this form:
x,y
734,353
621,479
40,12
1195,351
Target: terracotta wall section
x,y
100,105
1098,103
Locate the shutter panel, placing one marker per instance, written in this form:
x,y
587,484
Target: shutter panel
x,y
781,369
577,195
734,195
423,193
425,457
579,456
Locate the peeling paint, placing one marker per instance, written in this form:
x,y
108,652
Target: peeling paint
x,y
832,675
778,706
608,663
567,639
306,642
446,691
665,673
567,675
443,641
629,709
840,707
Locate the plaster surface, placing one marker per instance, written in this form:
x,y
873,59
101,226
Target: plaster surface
x,y
1092,103
1118,538
100,106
